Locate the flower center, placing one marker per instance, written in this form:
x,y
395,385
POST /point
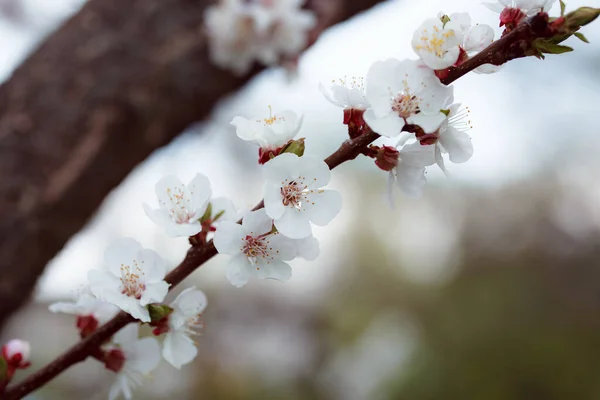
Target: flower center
x,y
272,119
256,248
405,104
295,193
355,82
131,281
434,42
179,211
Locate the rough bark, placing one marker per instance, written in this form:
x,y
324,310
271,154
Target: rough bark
x,y
115,82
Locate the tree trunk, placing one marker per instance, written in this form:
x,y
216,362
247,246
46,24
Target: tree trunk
x,y
114,83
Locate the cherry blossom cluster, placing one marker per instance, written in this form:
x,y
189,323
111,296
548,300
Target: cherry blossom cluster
x,y
403,103
244,31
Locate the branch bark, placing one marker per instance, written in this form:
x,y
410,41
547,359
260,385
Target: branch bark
x,y
114,83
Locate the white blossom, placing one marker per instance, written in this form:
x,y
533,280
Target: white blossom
x,y
268,133
133,278
346,93
16,352
222,208
453,138
529,7
409,173
241,32
178,347
140,357
255,249
438,43
293,194
180,206
86,304
402,92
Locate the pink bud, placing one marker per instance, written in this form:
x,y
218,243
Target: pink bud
x,y
16,353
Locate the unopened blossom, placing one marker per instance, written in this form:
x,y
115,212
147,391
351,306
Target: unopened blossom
x,y
133,278
90,311
16,353
256,250
178,347
294,197
241,32
180,206
404,92
132,359
269,133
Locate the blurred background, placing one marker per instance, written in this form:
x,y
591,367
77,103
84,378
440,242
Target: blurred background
x,y
488,287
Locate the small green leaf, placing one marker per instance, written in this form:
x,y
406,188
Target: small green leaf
x,y
445,112
562,8
445,19
581,37
207,214
550,48
295,147
219,215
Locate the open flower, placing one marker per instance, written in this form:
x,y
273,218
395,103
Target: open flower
x,y
437,43
451,138
242,32
402,92
293,194
133,278
528,7
91,312
271,132
178,347
180,206
132,359
255,249
350,95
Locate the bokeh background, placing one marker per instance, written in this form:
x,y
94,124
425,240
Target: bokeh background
x,y
488,287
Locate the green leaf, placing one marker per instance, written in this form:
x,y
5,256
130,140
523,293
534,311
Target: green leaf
x,y
207,213
445,19
3,368
219,215
581,37
562,8
295,147
550,48
158,311
445,112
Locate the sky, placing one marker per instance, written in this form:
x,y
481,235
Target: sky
x,y
523,116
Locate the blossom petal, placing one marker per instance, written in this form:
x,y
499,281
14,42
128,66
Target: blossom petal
x,y
294,224
479,37
458,145
280,168
283,247
429,123
200,192
225,206
327,204
190,302
256,223
152,265
238,270
154,293
329,97
144,355
229,238
410,179
274,206
119,252
164,187
315,171
383,79
276,269
417,155
178,349
389,125
127,336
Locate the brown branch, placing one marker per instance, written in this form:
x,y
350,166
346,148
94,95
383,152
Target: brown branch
x,y
114,83
503,49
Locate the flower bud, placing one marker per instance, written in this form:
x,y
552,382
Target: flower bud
x,y
580,17
87,324
114,360
16,353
